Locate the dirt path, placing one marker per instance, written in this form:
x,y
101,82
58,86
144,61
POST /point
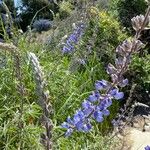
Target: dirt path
x,y
137,139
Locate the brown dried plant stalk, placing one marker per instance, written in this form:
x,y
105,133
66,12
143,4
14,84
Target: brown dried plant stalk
x,y
46,138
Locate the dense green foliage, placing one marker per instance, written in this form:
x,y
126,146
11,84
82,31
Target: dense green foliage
x,y
32,7
10,5
127,9
140,74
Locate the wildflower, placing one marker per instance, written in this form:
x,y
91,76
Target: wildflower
x,y
147,147
100,85
105,103
94,96
73,39
119,62
116,94
88,108
98,115
95,106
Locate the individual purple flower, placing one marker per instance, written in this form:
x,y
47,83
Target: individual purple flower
x,y
94,96
69,132
78,122
72,39
123,83
147,147
116,94
84,126
65,125
70,121
88,107
69,126
87,127
105,103
106,112
98,116
78,116
100,85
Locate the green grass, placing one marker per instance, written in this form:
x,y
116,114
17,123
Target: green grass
x,y
67,91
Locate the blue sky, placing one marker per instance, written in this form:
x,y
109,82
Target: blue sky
x,y
17,2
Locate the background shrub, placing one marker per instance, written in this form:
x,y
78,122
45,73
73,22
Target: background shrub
x,y
102,35
127,9
65,9
42,25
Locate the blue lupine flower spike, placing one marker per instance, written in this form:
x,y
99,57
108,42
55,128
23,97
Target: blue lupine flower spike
x,y
73,39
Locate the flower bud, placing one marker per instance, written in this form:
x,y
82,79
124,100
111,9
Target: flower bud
x,y
137,22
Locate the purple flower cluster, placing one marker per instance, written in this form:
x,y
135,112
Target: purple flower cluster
x,y
73,39
147,147
94,107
